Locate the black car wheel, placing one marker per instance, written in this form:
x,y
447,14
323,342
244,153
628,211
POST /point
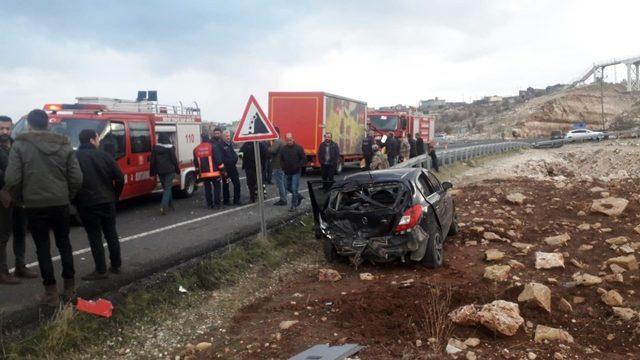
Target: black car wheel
x,y
434,256
330,252
454,226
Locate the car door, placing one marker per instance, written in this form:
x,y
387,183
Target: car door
x,y
319,196
431,196
445,201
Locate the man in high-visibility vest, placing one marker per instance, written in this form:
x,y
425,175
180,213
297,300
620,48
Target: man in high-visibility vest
x,y
210,168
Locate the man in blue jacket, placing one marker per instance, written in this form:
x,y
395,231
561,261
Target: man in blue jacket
x,y
230,161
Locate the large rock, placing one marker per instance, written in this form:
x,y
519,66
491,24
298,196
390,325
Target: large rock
x,y
286,324
610,206
524,247
497,273
493,255
614,278
626,314
499,316
538,293
491,236
612,298
455,346
516,198
565,306
552,334
617,240
558,240
203,346
586,279
628,261
465,315
328,275
637,229
549,260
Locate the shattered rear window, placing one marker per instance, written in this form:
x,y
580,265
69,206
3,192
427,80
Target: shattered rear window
x,y
368,197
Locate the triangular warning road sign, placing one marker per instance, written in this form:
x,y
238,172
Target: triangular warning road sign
x,y
254,124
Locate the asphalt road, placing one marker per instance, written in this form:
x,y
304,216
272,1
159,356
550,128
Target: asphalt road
x,y
150,243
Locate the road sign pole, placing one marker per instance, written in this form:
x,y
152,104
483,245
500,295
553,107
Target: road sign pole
x,y
263,223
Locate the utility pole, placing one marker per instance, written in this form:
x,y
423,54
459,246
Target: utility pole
x,y
602,98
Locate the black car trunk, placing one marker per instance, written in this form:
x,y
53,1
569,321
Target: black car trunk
x,y
366,211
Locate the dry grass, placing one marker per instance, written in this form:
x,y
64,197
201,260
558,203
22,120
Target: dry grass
x,y
436,325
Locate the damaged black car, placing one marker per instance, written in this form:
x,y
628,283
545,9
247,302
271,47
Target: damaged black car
x,y
383,216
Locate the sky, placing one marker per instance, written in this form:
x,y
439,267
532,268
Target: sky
x,y
217,53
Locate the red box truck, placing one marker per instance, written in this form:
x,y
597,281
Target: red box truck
x,y
308,115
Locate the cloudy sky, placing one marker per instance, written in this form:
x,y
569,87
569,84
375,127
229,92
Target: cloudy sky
x,y
384,52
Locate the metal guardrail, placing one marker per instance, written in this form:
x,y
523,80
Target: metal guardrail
x,y
448,157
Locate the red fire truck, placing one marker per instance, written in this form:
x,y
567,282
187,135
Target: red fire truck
x,y
128,130
401,122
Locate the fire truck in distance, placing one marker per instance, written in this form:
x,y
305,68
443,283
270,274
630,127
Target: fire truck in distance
x,y
128,130
400,122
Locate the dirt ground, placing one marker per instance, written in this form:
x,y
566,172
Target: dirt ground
x,y
388,314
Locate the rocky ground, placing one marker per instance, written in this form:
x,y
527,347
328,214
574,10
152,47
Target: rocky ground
x,y
545,266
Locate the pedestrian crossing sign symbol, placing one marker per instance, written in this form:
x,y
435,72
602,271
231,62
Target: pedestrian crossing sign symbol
x,y
254,124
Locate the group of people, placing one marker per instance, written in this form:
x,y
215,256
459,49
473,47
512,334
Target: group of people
x,y
40,176
215,160
393,150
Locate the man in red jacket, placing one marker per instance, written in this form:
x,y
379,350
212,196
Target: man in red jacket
x,y
210,167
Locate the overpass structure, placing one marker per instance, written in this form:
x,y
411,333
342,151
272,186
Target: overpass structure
x,y
597,70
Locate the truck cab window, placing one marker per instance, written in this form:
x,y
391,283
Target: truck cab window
x,y
113,140
140,137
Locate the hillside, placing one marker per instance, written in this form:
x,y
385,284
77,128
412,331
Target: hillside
x,y
537,117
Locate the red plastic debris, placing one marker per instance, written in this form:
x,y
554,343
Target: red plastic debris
x,y
100,307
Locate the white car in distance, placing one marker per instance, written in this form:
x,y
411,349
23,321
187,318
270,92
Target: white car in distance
x,y
583,134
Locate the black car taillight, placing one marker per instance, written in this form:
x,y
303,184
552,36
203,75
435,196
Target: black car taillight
x,y
409,219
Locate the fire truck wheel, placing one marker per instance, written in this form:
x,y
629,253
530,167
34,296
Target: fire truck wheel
x,y
189,186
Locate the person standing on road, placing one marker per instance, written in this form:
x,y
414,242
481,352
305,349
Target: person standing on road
x,y
102,185
267,169
230,161
379,160
292,159
405,148
210,168
164,164
276,165
11,218
249,166
329,156
412,146
419,145
44,173
367,149
393,148
431,149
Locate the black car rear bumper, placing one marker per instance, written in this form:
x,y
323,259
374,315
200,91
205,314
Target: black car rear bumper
x,y
384,248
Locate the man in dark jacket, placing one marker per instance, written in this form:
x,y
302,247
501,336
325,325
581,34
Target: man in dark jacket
x,y
102,184
292,160
393,148
11,218
412,146
230,160
419,145
367,149
274,151
164,164
329,156
44,173
249,166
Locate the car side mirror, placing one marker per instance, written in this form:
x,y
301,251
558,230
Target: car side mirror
x,y
447,185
